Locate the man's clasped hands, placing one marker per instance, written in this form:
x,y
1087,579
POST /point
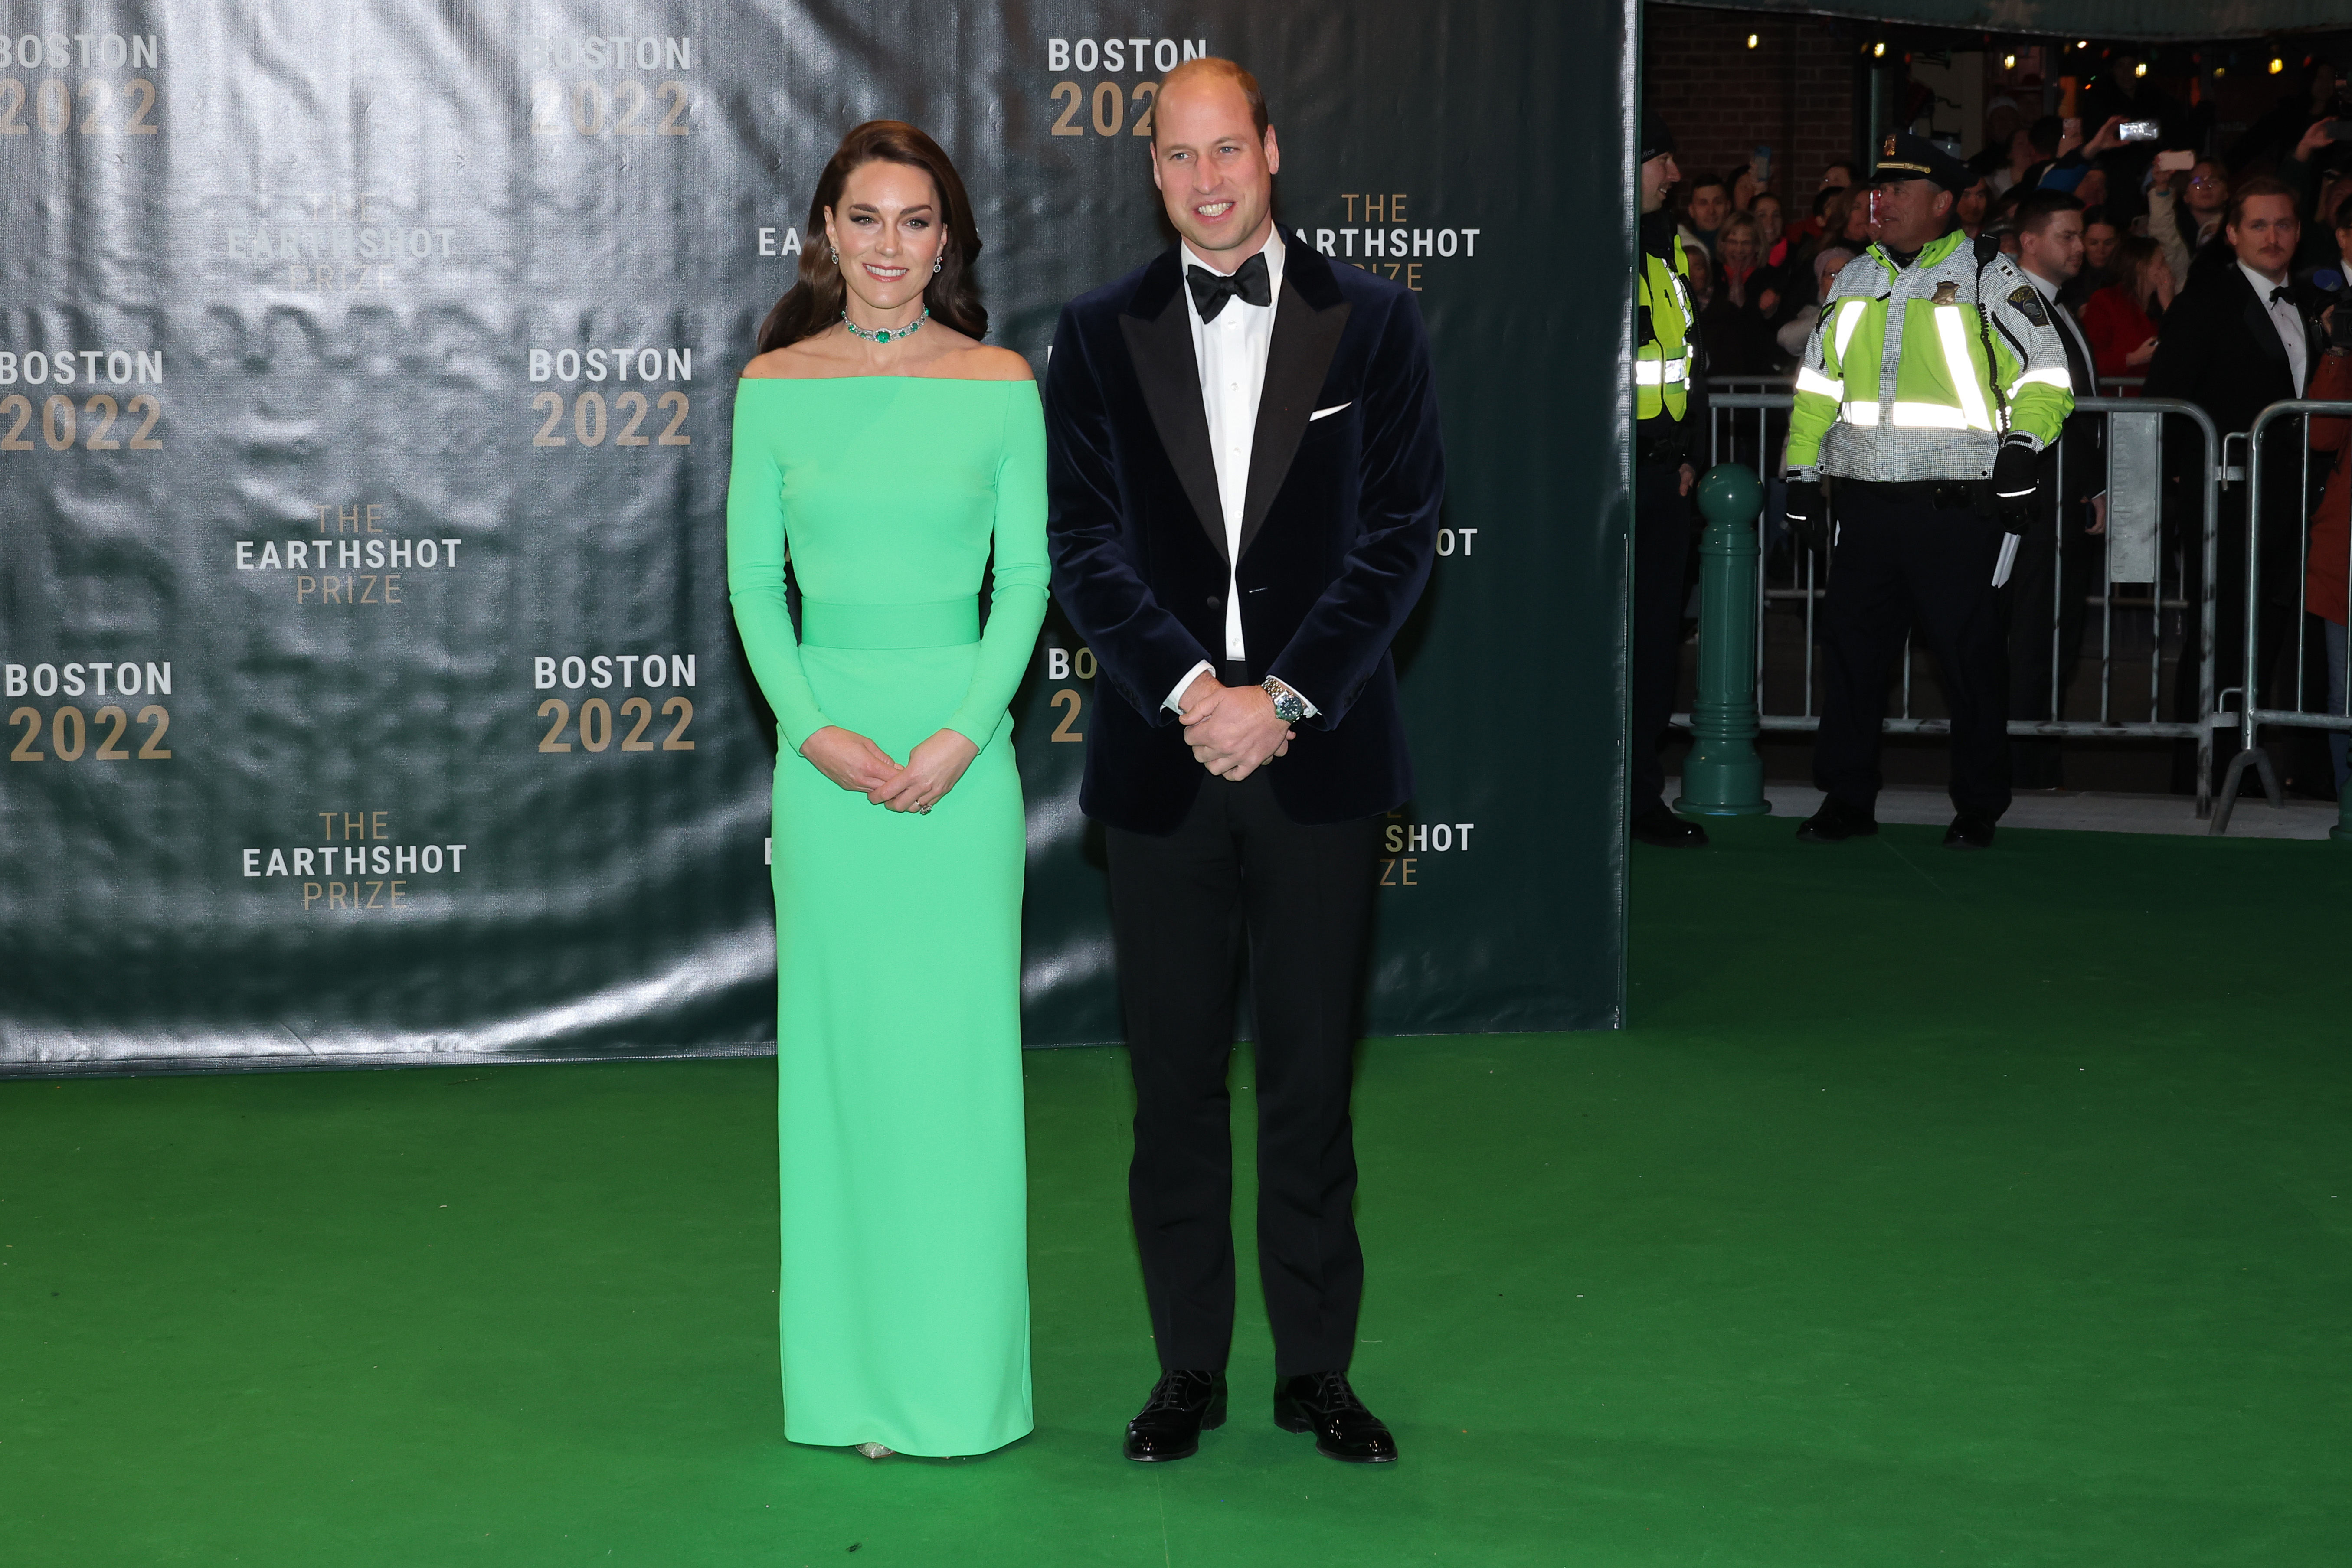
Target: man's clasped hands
x,y
1234,731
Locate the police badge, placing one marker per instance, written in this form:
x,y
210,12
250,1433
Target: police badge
x,y
2027,301
1947,293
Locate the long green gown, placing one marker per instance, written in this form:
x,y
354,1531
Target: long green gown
x,y
905,1300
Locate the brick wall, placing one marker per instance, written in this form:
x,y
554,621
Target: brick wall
x,y
1793,91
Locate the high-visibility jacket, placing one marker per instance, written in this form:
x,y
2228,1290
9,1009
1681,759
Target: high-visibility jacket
x,y
1663,360
1918,372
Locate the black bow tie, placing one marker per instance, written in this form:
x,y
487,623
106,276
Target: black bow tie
x,y
2278,294
1211,289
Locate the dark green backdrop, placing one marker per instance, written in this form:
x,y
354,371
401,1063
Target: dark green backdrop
x,y
451,297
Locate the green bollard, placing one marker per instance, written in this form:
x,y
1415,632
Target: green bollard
x,y
1723,777
2342,832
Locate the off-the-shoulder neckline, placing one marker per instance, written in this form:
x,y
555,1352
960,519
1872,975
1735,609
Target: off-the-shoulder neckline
x,y
956,381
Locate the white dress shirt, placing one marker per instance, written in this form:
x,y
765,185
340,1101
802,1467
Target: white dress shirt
x,y
1229,352
2289,322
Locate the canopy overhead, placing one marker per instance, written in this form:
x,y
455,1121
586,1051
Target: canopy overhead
x,y
2152,20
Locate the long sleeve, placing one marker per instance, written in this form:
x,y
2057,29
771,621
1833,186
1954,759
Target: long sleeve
x,y
755,582
1017,596
1821,387
1142,648
2164,227
1698,405
2041,389
1347,631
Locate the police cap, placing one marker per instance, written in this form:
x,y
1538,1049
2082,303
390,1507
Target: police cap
x,y
1905,156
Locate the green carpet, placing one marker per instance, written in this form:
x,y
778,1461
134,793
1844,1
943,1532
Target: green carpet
x,y
1987,1209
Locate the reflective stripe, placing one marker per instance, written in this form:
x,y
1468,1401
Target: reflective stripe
x,y
1661,373
1962,374
1929,416
1848,318
1812,380
2058,379
1861,413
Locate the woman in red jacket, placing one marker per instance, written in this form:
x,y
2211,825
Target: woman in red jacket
x,y
2120,319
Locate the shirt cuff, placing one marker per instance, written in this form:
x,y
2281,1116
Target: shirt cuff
x,y
1176,697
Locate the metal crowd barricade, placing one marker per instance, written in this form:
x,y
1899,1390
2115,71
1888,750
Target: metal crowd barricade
x,y
2251,714
1752,427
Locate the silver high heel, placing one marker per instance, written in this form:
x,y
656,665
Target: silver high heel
x,y
876,1450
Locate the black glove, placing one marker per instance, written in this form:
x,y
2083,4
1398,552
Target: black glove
x,y
1808,513
2015,476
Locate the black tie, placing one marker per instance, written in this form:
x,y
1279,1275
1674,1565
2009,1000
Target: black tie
x,y
2278,294
1211,289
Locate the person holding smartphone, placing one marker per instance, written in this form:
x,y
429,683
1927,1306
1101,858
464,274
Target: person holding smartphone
x,y
2185,209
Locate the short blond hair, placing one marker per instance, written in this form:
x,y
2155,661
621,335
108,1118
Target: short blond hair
x,y
1226,70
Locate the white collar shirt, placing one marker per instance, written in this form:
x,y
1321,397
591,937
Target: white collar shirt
x,y
2289,322
1230,353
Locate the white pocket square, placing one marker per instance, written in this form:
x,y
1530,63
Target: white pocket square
x,y
1327,412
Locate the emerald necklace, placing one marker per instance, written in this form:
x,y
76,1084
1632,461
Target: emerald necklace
x,y
886,333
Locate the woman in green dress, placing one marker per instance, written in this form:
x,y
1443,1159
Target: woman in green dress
x,y
886,450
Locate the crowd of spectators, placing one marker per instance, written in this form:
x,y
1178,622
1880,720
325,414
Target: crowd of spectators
x,y
2205,273
1761,256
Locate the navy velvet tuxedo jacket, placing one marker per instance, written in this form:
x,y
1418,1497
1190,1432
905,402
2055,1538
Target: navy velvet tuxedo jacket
x,y
1337,530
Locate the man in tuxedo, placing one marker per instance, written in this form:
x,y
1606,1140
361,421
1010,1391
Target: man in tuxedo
x,y
1245,471
2239,339
2058,558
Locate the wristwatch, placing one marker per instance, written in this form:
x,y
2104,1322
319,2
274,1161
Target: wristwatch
x,y
1288,705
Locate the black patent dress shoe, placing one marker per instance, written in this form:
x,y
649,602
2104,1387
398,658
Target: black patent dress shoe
x,y
1169,1424
1968,831
1323,1404
1661,827
1835,822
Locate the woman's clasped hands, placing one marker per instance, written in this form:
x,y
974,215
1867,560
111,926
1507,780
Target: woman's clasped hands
x,y
854,762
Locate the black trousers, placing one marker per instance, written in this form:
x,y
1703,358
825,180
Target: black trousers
x,y
1900,563
2048,589
1662,542
1240,872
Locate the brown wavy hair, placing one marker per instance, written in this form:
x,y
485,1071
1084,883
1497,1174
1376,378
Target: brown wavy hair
x,y
814,302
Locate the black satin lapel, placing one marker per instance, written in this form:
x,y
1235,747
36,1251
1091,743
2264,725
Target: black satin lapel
x,y
1304,339
1164,368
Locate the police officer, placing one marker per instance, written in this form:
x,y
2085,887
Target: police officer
x,y
1669,409
1935,379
